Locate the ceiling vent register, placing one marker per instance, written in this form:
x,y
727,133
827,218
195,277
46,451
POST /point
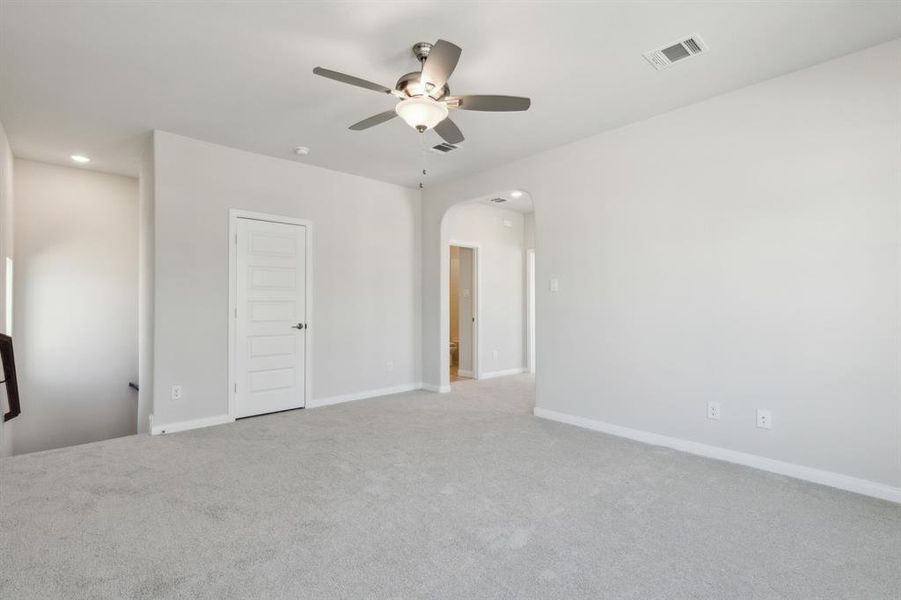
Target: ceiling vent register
x,y
444,147
664,58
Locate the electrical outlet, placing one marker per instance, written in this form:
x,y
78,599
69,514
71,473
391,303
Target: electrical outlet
x,y
764,418
176,392
713,410
389,365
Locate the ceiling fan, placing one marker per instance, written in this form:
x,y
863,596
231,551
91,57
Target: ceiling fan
x,y
425,96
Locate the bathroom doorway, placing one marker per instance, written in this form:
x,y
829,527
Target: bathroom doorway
x,y
463,313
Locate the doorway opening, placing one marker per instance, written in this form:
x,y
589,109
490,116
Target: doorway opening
x,y
463,313
488,292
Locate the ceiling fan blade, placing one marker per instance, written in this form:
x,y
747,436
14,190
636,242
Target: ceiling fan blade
x,y
374,120
449,131
344,78
439,65
489,103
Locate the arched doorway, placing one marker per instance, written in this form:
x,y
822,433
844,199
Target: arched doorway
x,y
486,304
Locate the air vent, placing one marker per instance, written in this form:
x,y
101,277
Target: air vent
x,y
444,147
498,200
663,58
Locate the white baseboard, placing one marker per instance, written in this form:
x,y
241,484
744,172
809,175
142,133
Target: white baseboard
x,y
836,480
407,387
441,389
222,419
464,373
193,424
504,373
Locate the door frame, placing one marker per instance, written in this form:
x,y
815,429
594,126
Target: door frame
x,y
233,215
476,305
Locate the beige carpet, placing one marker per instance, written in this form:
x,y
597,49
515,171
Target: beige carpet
x,y
420,495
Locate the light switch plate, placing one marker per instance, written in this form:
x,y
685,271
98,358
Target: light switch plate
x,y
554,285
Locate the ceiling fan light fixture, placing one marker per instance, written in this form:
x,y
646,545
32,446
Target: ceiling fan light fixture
x,y
421,113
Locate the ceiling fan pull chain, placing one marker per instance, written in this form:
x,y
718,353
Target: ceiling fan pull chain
x,y
425,160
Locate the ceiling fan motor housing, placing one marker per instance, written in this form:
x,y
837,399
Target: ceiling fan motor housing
x,y
410,85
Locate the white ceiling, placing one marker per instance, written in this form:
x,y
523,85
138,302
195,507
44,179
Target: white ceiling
x,y
95,77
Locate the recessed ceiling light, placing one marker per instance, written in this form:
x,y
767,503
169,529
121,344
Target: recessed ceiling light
x,y
80,159
301,150
516,194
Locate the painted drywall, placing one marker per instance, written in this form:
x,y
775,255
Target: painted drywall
x,y
528,243
499,235
145,287
454,294
528,232
744,250
365,325
7,220
76,296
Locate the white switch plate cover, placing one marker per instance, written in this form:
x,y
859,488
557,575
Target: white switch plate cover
x,y
764,418
176,392
554,285
389,365
713,410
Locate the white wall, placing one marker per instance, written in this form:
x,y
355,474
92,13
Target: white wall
x,y
528,243
500,311
76,279
7,216
454,294
366,291
744,249
145,287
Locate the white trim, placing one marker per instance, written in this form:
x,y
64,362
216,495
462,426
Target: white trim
x,y
223,419
836,480
504,373
398,389
443,389
193,424
233,215
476,307
465,373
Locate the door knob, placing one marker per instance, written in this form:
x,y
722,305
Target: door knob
x,y
298,326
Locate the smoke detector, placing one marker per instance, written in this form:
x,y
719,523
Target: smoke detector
x,y
667,56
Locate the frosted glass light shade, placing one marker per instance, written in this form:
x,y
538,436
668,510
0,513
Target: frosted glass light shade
x,y
421,113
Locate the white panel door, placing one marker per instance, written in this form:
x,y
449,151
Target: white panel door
x,y
271,317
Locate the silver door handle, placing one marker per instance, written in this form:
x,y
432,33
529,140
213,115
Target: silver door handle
x,y
298,326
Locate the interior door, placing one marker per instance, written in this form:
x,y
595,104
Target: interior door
x,y
271,327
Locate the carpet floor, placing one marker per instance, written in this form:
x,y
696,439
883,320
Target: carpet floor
x,y
419,495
